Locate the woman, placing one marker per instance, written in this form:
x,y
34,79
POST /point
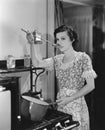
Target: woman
x,y
74,73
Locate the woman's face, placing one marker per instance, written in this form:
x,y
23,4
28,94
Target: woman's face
x,y
63,41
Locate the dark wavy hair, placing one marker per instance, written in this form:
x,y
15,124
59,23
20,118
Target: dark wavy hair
x,y
70,32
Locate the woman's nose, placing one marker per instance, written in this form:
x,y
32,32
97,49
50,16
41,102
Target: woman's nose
x,y
58,42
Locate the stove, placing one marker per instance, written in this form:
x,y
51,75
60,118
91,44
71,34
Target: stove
x,y
54,120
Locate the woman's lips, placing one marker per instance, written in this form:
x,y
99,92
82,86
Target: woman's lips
x,y
57,46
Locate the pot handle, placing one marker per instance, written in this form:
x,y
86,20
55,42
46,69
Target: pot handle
x,y
53,105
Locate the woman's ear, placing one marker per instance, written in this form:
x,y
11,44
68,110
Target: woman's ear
x,y
73,40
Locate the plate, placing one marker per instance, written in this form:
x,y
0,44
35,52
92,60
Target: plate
x,y
35,100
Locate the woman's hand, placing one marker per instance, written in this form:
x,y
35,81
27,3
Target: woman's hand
x,y
30,37
64,101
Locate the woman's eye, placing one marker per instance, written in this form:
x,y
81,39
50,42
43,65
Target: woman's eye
x,y
63,38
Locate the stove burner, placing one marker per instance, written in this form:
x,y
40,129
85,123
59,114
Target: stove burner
x,y
55,120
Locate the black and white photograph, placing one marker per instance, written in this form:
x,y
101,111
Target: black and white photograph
x,y
52,64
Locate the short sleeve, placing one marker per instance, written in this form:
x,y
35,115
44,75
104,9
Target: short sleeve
x,y
88,71
48,64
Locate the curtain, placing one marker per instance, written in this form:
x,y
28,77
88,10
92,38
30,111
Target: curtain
x,y
59,20
103,25
83,27
103,19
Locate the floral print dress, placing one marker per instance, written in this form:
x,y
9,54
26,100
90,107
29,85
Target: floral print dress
x,y
71,78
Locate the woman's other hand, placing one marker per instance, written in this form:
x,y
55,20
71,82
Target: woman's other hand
x,y
64,101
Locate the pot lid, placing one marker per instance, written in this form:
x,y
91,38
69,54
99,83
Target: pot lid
x,y
35,100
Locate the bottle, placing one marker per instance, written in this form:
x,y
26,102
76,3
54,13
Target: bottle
x,y
26,60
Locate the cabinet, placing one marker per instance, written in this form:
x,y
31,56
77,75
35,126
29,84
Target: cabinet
x,y
12,84
5,110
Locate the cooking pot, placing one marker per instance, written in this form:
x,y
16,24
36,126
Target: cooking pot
x,y
37,107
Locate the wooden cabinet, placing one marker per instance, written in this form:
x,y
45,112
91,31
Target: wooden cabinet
x,y
12,84
5,110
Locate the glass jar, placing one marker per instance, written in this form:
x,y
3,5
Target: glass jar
x,y
10,62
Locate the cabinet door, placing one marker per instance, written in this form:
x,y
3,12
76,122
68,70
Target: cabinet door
x,y
5,110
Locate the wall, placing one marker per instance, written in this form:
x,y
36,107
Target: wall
x,y
17,14
30,15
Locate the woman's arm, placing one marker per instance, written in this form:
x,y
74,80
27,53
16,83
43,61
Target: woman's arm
x,y
82,92
33,49
37,60
85,90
